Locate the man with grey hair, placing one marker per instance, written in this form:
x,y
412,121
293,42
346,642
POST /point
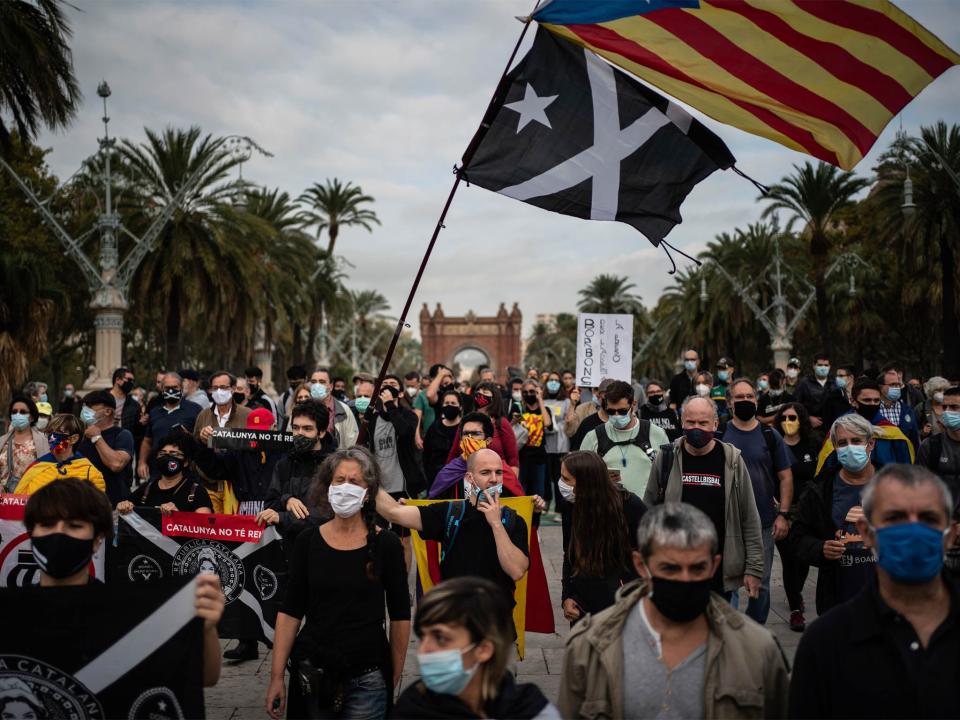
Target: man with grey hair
x,y
173,412
824,532
890,651
682,384
712,476
668,647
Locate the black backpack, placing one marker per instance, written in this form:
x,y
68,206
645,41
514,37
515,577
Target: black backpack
x,y
642,440
508,516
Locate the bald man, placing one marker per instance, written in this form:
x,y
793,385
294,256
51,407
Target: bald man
x,y
477,535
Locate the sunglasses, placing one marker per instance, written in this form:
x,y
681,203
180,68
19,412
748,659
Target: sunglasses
x,y
621,411
791,417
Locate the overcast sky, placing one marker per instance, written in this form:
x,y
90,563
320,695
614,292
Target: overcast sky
x,y
387,95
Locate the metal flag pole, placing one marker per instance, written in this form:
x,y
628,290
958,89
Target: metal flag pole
x,y
492,109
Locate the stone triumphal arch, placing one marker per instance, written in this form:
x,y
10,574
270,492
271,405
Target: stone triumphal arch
x,y
470,339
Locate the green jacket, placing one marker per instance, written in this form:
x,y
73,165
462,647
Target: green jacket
x,y
746,672
743,542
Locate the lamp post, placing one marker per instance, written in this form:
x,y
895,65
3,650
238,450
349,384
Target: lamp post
x,y
109,281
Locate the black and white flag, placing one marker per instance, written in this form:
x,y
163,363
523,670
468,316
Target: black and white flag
x,y
248,559
577,136
96,651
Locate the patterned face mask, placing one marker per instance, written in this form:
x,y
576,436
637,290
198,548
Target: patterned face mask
x,y
469,445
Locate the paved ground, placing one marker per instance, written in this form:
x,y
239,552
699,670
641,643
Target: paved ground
x,y
240,692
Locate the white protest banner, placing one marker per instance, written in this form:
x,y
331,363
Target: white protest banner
x,y
604,348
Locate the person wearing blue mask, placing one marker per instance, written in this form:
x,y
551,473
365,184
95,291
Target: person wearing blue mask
x,y
941,453
683,384
896,640
894,407
343,424
465,635
726,372
23,442
812,390
824,531
107,446
626,443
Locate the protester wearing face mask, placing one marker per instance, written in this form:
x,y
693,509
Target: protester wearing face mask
x,y
703,385
683,384
625,442
129,410
285,504
891,445
668,644
941,453
556,442
658,412
68,402
300,393
836,400
600,520
536,420
726,372
62,461
712,476
44,415
172,411
342,575
22,443
902,627
825,533
258,396
812,390
465,645
342,423
108,447
487,401
772,398
895,409
441,380
178,488
792,376
441,436
490,540
931,408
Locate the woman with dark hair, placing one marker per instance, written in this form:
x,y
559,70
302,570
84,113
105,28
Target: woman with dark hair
x,y
793,422
341,577
22,443
442,435
600,523
556,442
466,638
487,400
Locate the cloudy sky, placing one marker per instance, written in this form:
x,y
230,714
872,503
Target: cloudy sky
x,y
387,95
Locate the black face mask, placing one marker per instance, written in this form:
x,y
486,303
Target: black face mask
x,y
170,466
698,438
126,387
744,410
60,555
238,398
450,412
172,397
340,395
681,601
868,412
303,444
655,400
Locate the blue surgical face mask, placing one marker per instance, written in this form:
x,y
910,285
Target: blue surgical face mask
x,y
553,386
43,397
950,419
853,457
20,422
821,371
620,422
840,381
910,552
723,375
443,672
361,403
88,415
762,385
893,394
318,391
690,365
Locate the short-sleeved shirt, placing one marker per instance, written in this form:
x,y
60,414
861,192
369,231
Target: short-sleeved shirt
x,y
188,496
857,564
762,467
769,405
429,414
118,483
162,422
385,451
629,460
473,550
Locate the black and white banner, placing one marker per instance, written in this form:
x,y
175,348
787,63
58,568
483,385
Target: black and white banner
x,y
248,559
242,439
17,565
101,652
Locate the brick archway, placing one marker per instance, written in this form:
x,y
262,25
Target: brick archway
x,y
498,336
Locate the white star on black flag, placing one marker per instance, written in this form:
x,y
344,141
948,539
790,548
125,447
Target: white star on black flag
x,y
591,142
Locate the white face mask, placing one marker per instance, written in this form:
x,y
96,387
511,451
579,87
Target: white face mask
x,y
792,373
42,423
567,492
346,499
703,390
221,396
412,392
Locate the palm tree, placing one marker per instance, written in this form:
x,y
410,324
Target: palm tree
x,y
609,294
335,205
37,84
368,305
816,195
206,260
26,312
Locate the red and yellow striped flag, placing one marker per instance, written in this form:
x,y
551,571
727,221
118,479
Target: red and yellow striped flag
x,y
822,77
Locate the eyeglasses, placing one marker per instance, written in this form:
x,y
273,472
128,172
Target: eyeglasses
x,y
473,434
618,411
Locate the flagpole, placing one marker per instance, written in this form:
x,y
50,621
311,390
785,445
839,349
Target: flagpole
x,y
491,111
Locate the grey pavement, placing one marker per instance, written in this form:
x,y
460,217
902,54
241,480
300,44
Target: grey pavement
x,y
242,687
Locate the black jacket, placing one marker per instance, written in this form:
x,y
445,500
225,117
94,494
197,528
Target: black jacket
x,y
811,394
293,476
250,471
404,423
513,700
130,420
862,660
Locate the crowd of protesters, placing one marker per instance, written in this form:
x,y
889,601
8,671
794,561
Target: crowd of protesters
x,y
673,497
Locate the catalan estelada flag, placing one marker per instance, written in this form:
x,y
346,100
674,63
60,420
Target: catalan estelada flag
x,y
822,77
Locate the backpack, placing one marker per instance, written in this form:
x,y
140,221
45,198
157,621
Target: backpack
x,y
642,440
451,526
768,437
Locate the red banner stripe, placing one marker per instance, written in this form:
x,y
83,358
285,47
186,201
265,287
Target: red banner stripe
x,y
12,506
718,48
833,58
606,39
225,528
875,23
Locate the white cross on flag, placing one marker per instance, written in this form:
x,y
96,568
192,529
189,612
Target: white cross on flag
x,y
576,136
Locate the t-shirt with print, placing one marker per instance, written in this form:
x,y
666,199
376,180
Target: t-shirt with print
x,y
188,495
385,451
703,486
762,467
857,564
